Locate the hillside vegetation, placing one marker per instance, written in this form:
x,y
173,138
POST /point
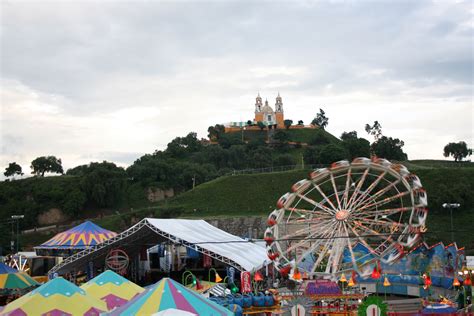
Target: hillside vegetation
x,y
257,195
101,189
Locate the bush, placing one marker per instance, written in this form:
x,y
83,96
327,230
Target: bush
x,y
284,160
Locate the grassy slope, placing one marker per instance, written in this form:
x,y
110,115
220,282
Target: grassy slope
x,y
257,194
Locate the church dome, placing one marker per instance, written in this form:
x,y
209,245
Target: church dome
x,y
267,108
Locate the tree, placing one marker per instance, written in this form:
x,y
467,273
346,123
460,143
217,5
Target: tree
x,y
281,136
311,155
319,138
261,125
12,170
374,130
332,153
284,160
182,146
104,184
325,154
358,147
215,131
459,150
262,157
349,135
389,148
46,164
287,123
321,120
300,122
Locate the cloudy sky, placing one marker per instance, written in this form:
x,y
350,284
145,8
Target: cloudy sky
x,y
109,80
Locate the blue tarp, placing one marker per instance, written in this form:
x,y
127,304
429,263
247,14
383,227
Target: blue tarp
x,y
438,309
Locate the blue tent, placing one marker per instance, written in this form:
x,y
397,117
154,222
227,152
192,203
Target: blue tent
x,y
6,269
75,239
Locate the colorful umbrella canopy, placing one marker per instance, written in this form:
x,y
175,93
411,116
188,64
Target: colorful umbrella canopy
x,y
77,238
168,294
56,297
174,312
16,280
6,269
112,288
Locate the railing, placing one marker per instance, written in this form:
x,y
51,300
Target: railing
x,y
275,169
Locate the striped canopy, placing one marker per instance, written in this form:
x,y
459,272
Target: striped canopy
x,y
168,294
6,269
112,288
57,297
16,281
80,237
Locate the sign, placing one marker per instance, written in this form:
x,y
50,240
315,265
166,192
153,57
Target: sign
x,y
470,262
231,274
206,261
117,260
245,282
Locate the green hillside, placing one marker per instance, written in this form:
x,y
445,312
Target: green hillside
x,y
257,195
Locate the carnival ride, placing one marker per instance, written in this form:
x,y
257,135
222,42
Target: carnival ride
x,y
373,202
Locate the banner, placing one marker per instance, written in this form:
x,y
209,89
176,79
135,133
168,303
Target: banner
x,y
206,261
245,282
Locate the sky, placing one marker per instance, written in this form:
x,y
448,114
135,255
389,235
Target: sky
x,y
113,80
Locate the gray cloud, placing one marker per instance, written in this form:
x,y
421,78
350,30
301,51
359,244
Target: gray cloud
x,y
127,77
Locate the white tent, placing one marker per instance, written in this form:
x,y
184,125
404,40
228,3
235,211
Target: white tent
x,y
195,234
207,238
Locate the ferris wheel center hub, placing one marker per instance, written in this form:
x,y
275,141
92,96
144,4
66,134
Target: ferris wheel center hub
x,y
342,215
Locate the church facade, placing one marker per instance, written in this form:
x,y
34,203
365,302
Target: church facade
x,y
272,117
264,112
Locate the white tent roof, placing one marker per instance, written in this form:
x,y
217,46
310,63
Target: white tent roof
x,y
195,234
204,235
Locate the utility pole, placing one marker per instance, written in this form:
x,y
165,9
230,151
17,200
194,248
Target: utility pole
x,y
17,219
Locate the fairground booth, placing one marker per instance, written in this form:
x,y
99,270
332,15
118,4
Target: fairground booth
x,y
156,248
74,240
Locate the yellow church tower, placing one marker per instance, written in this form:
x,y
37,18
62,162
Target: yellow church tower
x,y
279,116
258,109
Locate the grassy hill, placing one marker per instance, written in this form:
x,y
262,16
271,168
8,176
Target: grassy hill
x,y
256,195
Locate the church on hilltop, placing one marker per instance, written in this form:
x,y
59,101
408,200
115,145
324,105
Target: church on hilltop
x,y
272,118
266,115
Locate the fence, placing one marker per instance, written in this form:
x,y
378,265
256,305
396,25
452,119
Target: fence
x,y
275,169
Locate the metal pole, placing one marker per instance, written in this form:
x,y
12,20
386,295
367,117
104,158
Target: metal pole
x,y
17,233
451,206
452,228
12,242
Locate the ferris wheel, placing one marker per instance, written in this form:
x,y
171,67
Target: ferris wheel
x,y
321,225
